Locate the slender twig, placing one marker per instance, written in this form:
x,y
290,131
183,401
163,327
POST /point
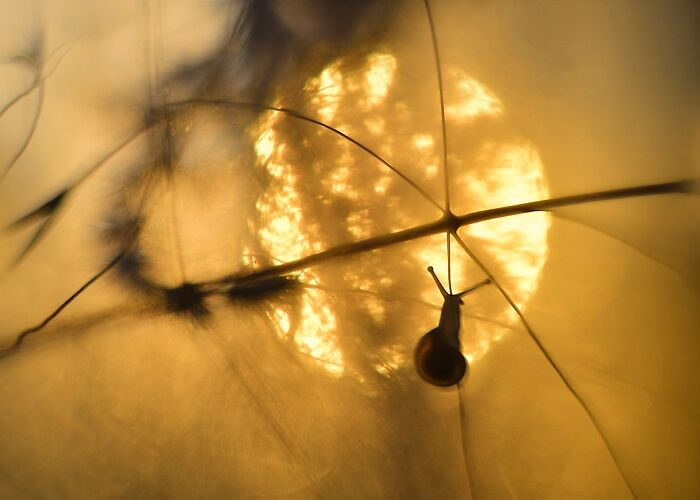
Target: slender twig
x,y
682,186
449,263
37,83
49,209
462,427
19,96
574,220
299,116
438,72
555,366
28,138
22,335
453,223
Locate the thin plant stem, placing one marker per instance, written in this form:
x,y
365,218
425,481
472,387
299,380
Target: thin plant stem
x,y
451,224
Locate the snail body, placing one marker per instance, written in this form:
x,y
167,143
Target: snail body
x,y
437,356
438,362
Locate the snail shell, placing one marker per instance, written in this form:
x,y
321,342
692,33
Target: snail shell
x,y
437,362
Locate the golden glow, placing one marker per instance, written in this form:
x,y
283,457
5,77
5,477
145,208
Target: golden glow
x,y
281,319
357,224
284,233
337,179
265,145
423,141
504,174
375,125
376,309
282,236
373,84
378,78
382,184
517,245
279,207
316,334
326,90
425,157
489,334
473,99
392,359
358,281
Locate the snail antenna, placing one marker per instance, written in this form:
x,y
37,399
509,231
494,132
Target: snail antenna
x,y
437,282
474,287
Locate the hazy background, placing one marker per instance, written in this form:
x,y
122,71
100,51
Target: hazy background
x,y
313,394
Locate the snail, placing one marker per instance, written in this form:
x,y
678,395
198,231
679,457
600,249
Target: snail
x,y
437,356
